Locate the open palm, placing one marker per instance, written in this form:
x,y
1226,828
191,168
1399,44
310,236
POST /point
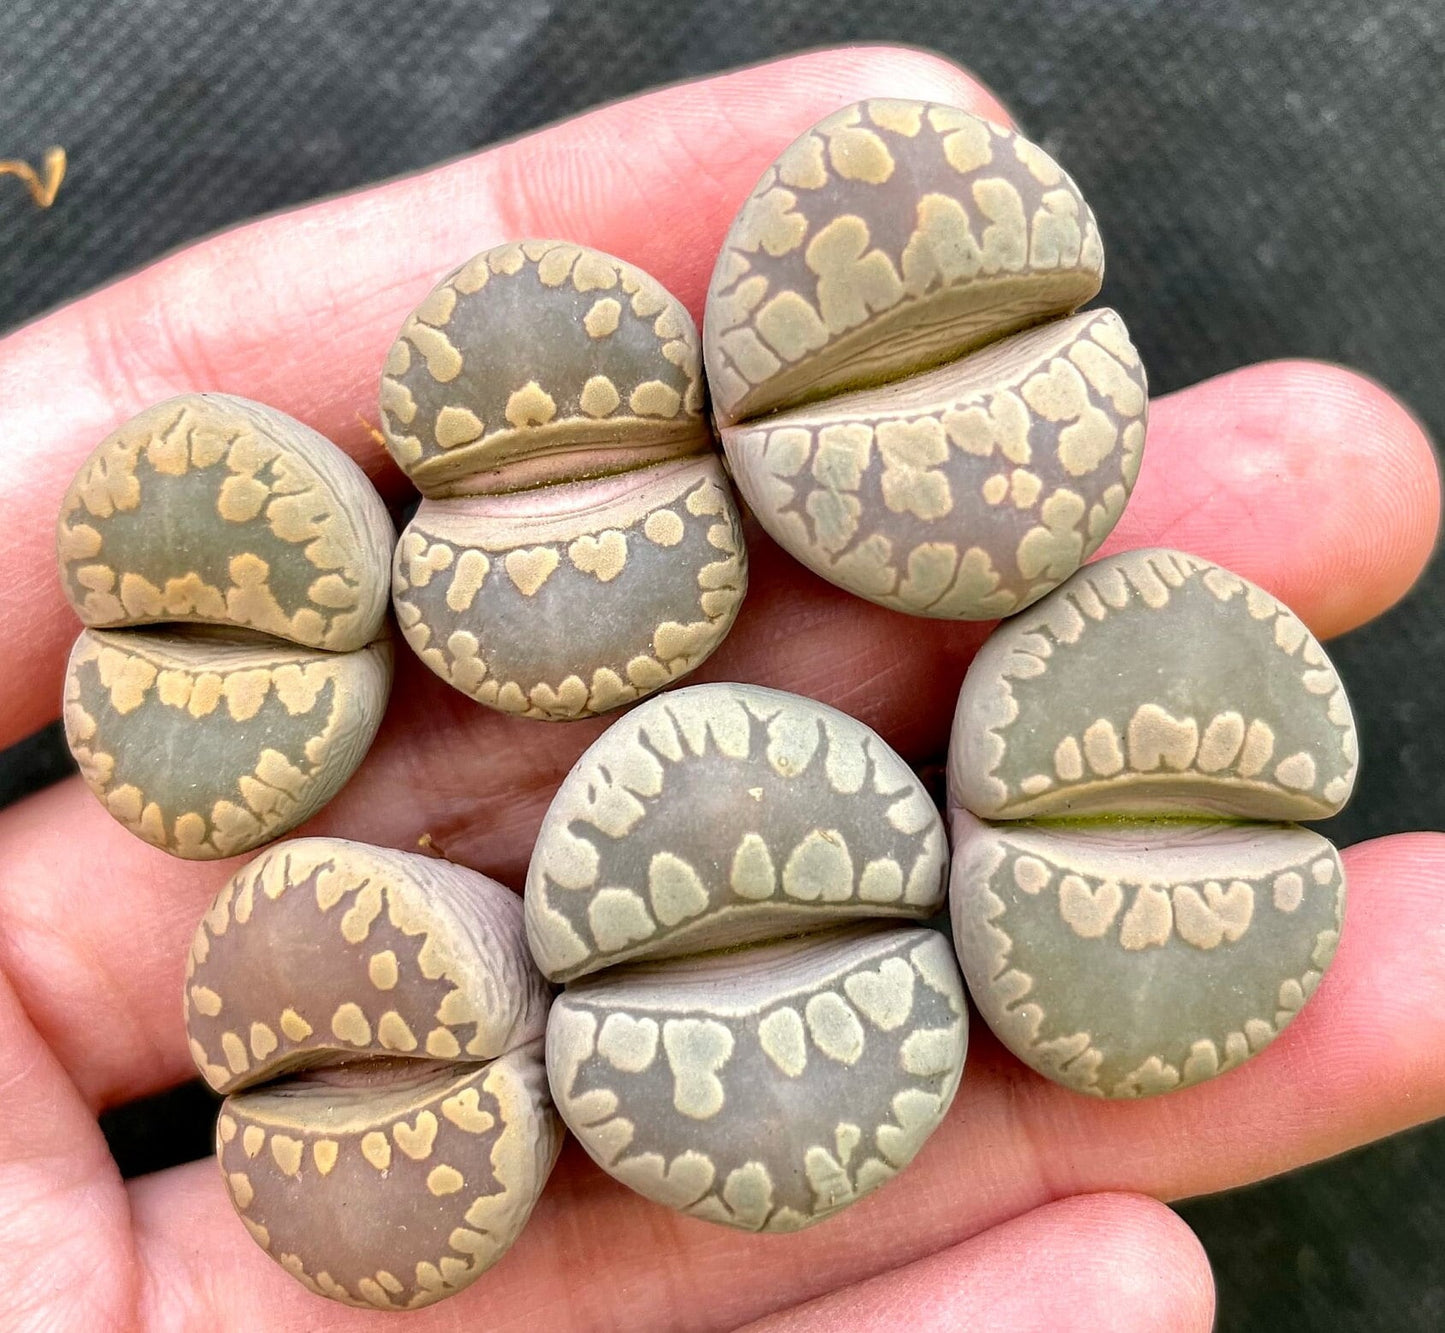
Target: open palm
x,y
1031,1206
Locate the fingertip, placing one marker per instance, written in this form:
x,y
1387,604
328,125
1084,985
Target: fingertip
x,y
610,178
1387,467
916,72
1090,1261
1151,1267
1309,478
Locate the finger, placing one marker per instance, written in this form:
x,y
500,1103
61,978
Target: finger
x,y
298,310
65,1225
1305,474
1097,1261
1102,1261
1363,1059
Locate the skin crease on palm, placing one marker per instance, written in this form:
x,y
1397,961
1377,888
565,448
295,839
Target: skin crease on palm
x,y
1031,1207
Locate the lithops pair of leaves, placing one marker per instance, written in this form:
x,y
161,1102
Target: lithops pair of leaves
x,y
377,1024
1121,931
578,546
752,1030
261,552
872,437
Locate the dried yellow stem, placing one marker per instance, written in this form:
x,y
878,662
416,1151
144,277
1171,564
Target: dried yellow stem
x,y
42,191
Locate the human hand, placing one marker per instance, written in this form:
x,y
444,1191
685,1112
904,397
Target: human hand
x,y
1031,1206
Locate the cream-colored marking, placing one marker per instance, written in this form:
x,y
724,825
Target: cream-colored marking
x,y
618,917
263,1040
457,1006
1149,921
464,1110
696,1049
905,118
753,874
1289,890
675,889
287,1153
911,450
444,1180
627,1043
790,326
1259,1033
819,868
601,320
1217,914
1220,742
356,921
881,881
416,1140
323,1153
884,996
253,1139
206,1000
530,569
1087,911
834,1027
1024,488
442,1044
968,147
929,1052
1297,772
603,556
376,1148
393,1033
531,405
1031,874
593,272
226,1128
1323,870
382,969
1068,761
858,154
1041,167
241,1191
456,426
1102,748
294,1026
1258,747
234,1049
471,571
780,1034
853,280
663,527
1158,739
801,166
655,398
349,1024
599,396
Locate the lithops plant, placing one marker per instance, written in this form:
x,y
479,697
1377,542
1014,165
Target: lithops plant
x,y
780,1039
1128,934
377,1025
256,554
905,398
578,546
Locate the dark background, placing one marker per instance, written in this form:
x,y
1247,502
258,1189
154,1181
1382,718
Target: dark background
x,y
1270,181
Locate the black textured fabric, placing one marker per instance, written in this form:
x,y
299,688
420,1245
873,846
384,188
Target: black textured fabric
x,y
1269,178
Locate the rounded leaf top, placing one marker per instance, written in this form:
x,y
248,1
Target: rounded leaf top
x,y
721,814
891,237
213,509
538,362
323,950
1153,683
